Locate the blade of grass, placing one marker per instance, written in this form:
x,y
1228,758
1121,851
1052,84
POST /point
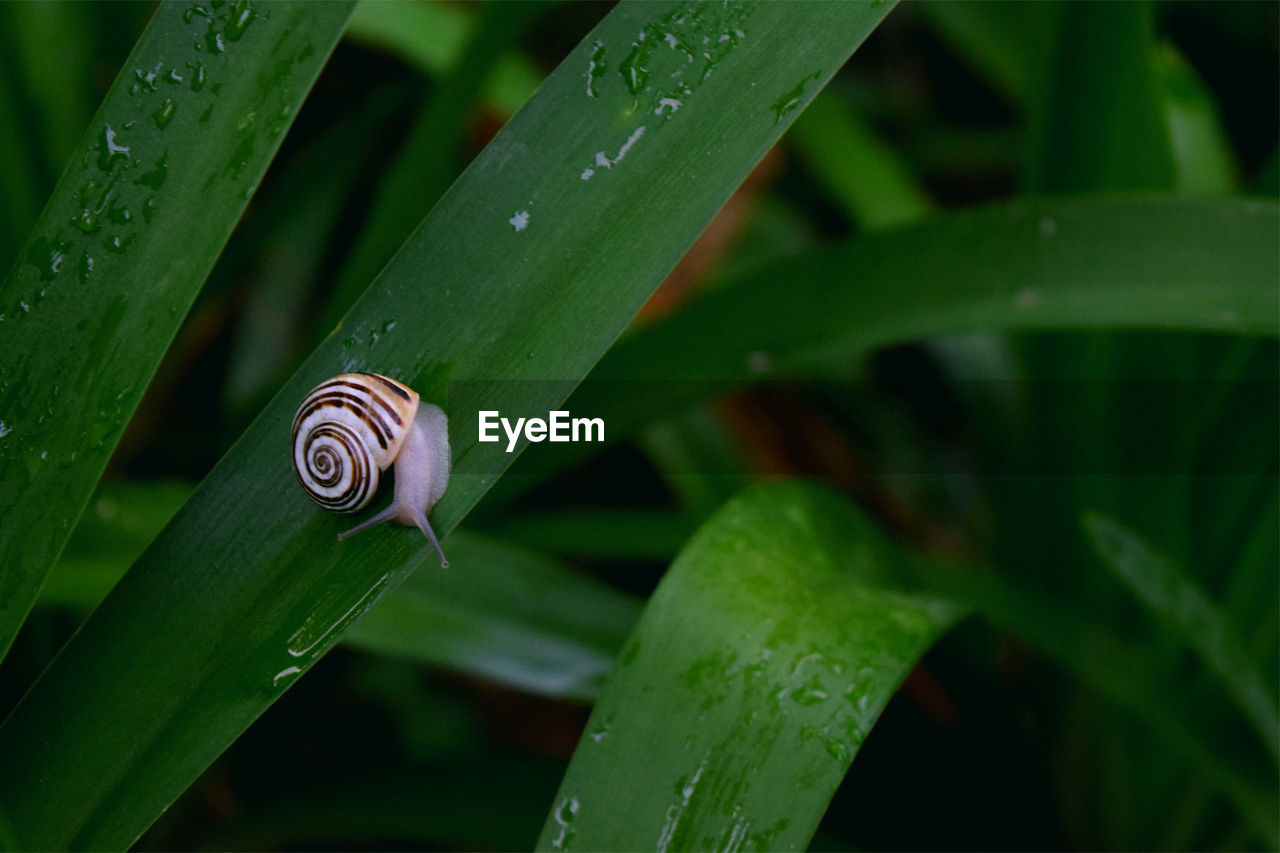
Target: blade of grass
x,y
25,181
1167,591
1248,600
866,177
1158,263
429,160
1008,42
1102,124
309,194
1202,154
1101,119
121,519
506,615
758,668
1116,263
431,36
56,78
246,588
122,247
1122,674
698,458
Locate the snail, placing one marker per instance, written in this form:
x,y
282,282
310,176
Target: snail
x,y
352,428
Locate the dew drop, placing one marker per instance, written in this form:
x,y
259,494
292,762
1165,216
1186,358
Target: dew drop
x,y
596,68
287,673
118,245
159,173
792,98
109,150
242,15
164,114
198,75
47,256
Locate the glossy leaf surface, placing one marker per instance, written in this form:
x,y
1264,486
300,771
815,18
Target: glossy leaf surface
x,y
756,671
170,159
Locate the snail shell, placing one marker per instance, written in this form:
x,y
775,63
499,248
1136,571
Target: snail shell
x,y
351,428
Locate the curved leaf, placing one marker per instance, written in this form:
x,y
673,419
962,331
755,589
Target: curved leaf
x,y
757,669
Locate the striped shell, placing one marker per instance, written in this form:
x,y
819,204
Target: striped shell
x,y
346,432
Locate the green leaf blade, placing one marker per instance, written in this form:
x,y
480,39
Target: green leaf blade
x,y
505,615
1156,262
755,673
1170,594
169,161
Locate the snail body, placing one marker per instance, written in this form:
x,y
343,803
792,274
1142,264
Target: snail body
x,y
353,427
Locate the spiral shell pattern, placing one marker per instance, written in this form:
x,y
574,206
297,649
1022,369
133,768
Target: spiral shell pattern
x,y
346,432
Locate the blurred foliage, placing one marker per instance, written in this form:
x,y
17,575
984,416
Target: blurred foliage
x,y
1098,488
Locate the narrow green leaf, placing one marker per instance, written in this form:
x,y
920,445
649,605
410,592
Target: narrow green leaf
x,y
1117,263
699,458
428,160
527,269
1011,43
1175,598
119,523
288,236
1249,598
1157,263
506,615
431,36
1202,154
1101,121
56,79
868,179
25,181
1112,667
756,671
122,247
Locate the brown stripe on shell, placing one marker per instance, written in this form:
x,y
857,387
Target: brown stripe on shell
x,y
371,391
396,387
357,405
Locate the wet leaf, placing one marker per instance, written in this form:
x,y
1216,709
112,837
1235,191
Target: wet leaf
x,y
756,671
157,184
